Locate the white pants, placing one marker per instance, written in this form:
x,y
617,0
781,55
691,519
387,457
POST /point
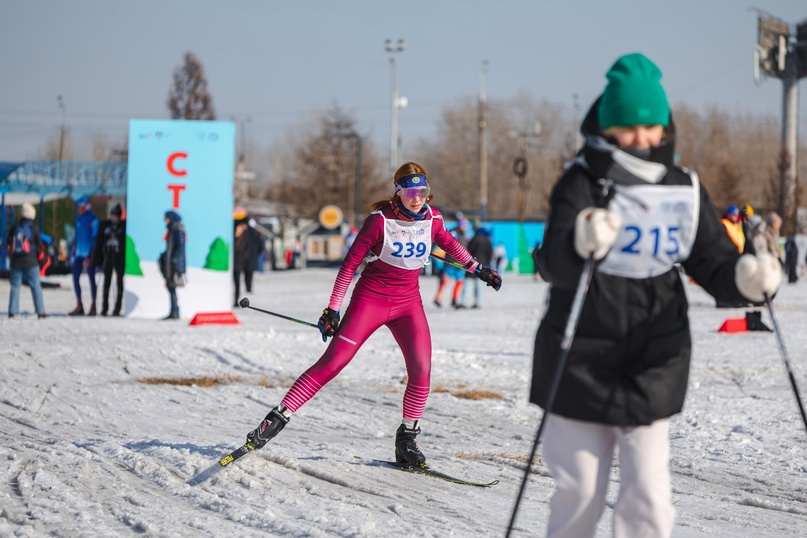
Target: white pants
x,y
578,455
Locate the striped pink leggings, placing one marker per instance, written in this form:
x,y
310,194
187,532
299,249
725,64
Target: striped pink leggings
x,y
366,313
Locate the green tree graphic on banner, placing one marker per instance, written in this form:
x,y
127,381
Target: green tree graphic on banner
x,y
218,259
132,259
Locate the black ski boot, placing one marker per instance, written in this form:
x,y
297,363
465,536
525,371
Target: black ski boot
x,y
271,426
406,447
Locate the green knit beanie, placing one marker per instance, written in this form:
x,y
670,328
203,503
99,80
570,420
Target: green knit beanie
x,y
633,95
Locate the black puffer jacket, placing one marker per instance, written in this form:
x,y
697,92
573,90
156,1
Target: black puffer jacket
x,y
629,360
109,250
30,259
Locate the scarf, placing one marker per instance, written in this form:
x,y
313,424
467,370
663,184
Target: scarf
x,y
402,213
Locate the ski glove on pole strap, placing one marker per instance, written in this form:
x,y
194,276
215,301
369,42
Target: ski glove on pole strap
x,y
757,276
489,277
328,323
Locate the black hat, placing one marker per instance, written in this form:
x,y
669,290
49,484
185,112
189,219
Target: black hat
x,y
116,210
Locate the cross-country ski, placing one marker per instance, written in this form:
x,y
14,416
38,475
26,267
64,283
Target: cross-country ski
x,y
428,471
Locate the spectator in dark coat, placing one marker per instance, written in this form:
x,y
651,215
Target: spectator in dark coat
x,y
246,245
481,247
172,261
791,259
109,254
24,248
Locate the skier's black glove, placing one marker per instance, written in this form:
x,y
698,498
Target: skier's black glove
x,y
328,323
489,277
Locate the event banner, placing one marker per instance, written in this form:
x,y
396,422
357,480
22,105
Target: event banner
x,y
185,167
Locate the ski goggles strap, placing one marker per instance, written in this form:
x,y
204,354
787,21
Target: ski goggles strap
x,y
412,192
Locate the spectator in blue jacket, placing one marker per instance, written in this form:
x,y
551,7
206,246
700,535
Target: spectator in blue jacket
x,y
86,230
172,261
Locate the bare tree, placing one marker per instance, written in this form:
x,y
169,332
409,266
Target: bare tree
x,y
736,156
511,125
452,160
51,150
189,98
317,169
99,147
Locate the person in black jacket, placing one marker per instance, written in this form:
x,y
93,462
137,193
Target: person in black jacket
x,y
627,207
791,259
109,254
245,255
481,248
25,246
172,261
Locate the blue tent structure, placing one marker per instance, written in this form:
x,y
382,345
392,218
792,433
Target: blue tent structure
x,y
41,181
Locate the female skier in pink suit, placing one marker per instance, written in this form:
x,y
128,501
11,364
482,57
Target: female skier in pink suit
x,y
395,240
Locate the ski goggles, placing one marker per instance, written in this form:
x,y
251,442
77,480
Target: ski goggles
x,y
413,192
412,185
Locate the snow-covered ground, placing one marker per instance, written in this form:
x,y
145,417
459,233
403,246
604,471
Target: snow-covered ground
x,y
91,449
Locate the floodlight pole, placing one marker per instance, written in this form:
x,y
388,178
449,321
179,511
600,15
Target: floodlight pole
x,y
61,134
356,177
393,147
520,163
243,153
778,56
483,146
790,138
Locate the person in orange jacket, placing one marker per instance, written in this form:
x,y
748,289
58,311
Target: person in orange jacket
x,y
734,226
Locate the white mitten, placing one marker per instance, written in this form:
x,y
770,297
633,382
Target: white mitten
x,y
757,275
595,232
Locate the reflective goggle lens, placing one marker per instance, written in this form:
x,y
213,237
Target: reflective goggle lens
x,y
412,192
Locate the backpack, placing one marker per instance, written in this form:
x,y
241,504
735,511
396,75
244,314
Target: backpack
x,y
22,240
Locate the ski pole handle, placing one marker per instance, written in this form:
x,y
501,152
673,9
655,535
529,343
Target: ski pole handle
x,y
451,263
244,303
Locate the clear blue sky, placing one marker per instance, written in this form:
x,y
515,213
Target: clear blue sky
x,y
276,61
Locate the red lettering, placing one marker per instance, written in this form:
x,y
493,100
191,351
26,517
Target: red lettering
x,y
170,164
176,189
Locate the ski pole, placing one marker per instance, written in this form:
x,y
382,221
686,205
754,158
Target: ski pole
x,y
783,351
565,345
244,303
458,265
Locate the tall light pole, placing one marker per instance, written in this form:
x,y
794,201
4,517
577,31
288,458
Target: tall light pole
x,y
520,163
242,136
356,177
483,146
243,178
393,147
61,135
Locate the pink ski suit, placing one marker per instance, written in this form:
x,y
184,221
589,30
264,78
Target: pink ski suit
x,y
387,293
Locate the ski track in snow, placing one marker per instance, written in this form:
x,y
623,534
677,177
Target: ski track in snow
x,y
91,451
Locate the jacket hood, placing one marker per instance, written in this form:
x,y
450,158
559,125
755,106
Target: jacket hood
x,y
173,216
